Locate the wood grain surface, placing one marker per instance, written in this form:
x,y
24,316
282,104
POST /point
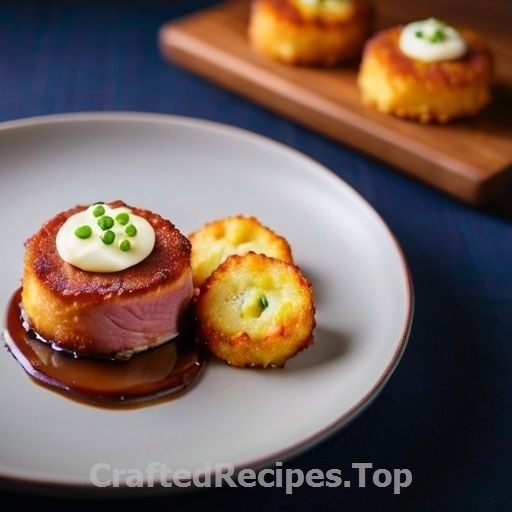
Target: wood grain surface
x,y
470,160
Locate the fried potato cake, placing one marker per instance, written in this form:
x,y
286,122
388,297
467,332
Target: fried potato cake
x,y
256,311
438,92
237,234
297,32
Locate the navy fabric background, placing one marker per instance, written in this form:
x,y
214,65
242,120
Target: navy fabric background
x,y
446,412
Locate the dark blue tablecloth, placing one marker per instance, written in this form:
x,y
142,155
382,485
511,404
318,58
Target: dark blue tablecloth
x,y
446,412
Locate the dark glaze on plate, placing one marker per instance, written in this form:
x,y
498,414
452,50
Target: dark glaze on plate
x,y
155,374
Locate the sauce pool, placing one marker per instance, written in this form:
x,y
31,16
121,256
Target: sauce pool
x,y
162,372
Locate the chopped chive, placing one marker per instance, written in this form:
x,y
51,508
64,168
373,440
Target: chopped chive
x,y
99,210
418,34
83,232
108,237
264,302
125,246
105,222
122,218
437,36
131,230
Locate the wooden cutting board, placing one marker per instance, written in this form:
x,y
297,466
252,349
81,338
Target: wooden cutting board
x,y
470,160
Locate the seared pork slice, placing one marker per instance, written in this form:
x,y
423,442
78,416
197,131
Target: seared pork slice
x,y
113,313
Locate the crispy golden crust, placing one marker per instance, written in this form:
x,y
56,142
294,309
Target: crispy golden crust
x,y
441,91
256,311
293,34
166,263
237,234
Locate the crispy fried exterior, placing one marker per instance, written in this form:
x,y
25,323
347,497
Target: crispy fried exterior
x,y
256,311
393,83
237,234
289,32
55,293
167,261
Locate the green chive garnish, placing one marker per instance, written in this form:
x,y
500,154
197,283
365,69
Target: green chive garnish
x,y
125,246
131,230
264,302
99,210
83,232
105,222
435,32
108,237
122,218
437,36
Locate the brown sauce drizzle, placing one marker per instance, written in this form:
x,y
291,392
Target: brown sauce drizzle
x,y
153,375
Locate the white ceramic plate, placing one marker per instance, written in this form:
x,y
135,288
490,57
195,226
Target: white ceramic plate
x,y
194,171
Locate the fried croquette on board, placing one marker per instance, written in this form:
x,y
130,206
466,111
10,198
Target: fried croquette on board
x,y
310,33
237,234
428,92
256,311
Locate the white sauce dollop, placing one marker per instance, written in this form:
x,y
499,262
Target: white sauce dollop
x,y
327,6
130,239
431,40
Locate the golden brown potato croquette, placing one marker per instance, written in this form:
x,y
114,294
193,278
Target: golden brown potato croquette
x,y
440,91
298,32
256,311
237,234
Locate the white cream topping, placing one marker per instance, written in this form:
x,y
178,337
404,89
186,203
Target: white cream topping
x,y
105,239
327,6
431,40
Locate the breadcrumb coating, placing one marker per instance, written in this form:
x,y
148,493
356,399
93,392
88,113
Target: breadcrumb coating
x,y
256,311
